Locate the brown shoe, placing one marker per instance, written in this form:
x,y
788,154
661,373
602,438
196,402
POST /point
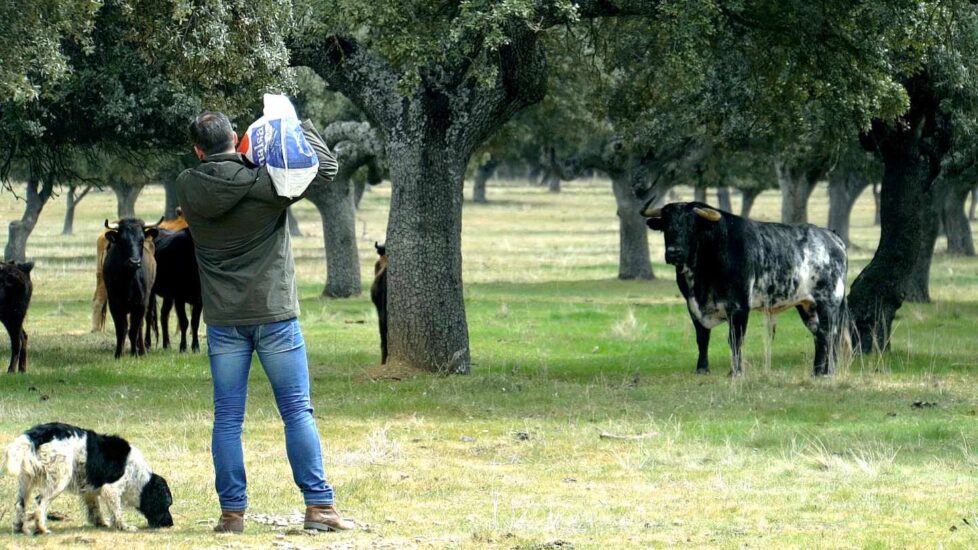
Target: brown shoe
x,y
325,518
230,522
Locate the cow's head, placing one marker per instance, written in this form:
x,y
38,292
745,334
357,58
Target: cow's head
x,y
127,235
684,225
381,263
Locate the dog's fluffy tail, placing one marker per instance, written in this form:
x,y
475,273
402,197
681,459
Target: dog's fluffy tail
x,y
21,457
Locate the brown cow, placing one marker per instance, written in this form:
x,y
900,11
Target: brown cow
x,y
176,224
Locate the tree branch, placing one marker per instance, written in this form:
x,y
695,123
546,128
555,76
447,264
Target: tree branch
x,y
521,81
350,69
551,14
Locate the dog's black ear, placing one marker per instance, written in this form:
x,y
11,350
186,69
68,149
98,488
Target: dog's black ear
x,y
107,455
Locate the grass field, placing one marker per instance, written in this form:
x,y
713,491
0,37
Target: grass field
x,y
510,456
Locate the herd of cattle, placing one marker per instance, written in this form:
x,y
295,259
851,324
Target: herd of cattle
x,y
135,264
726,266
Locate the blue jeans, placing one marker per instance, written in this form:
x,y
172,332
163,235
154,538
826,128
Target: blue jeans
x,y
282,352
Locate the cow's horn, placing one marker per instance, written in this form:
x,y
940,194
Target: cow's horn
x,y
650,212
113,225
155,224
708,214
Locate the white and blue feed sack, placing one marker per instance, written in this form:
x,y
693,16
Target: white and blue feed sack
x,y
276,141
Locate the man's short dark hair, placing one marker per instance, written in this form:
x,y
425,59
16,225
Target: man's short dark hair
x,y
212,132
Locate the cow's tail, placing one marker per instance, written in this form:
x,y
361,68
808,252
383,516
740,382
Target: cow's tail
x,y
21,457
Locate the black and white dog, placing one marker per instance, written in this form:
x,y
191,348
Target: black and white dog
x,y
103,469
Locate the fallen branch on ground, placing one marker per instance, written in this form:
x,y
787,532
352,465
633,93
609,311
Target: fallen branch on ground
x,y
646,435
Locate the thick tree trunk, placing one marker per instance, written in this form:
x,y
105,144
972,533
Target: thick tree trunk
x,y
170,189
747,198
69,225
633,235
293,223
425,305
552,181
126,196
335,205
918,280
723,198
38,194
956,224
844,188
878,292
699,193
359,188
911,150
876,204
796,187
974,204
482,175
72,198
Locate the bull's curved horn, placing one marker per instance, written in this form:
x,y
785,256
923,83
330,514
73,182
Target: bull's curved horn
x,y
650,212
708,214
155,224
113,225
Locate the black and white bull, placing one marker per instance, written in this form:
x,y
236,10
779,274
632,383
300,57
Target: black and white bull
x,y
727,265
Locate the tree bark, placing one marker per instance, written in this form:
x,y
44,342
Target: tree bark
x,y
974,204
634,261
425,305
71,201
796,186
699,193
959,239
359,188
18,232
918,281
844,188
482,175
335,203
552,181
126,196
723,198
354,144
911,149
170,189
747,198
876,204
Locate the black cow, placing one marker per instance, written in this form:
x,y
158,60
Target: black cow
x,y
727,265
15,297
378,295
129,277
178,282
